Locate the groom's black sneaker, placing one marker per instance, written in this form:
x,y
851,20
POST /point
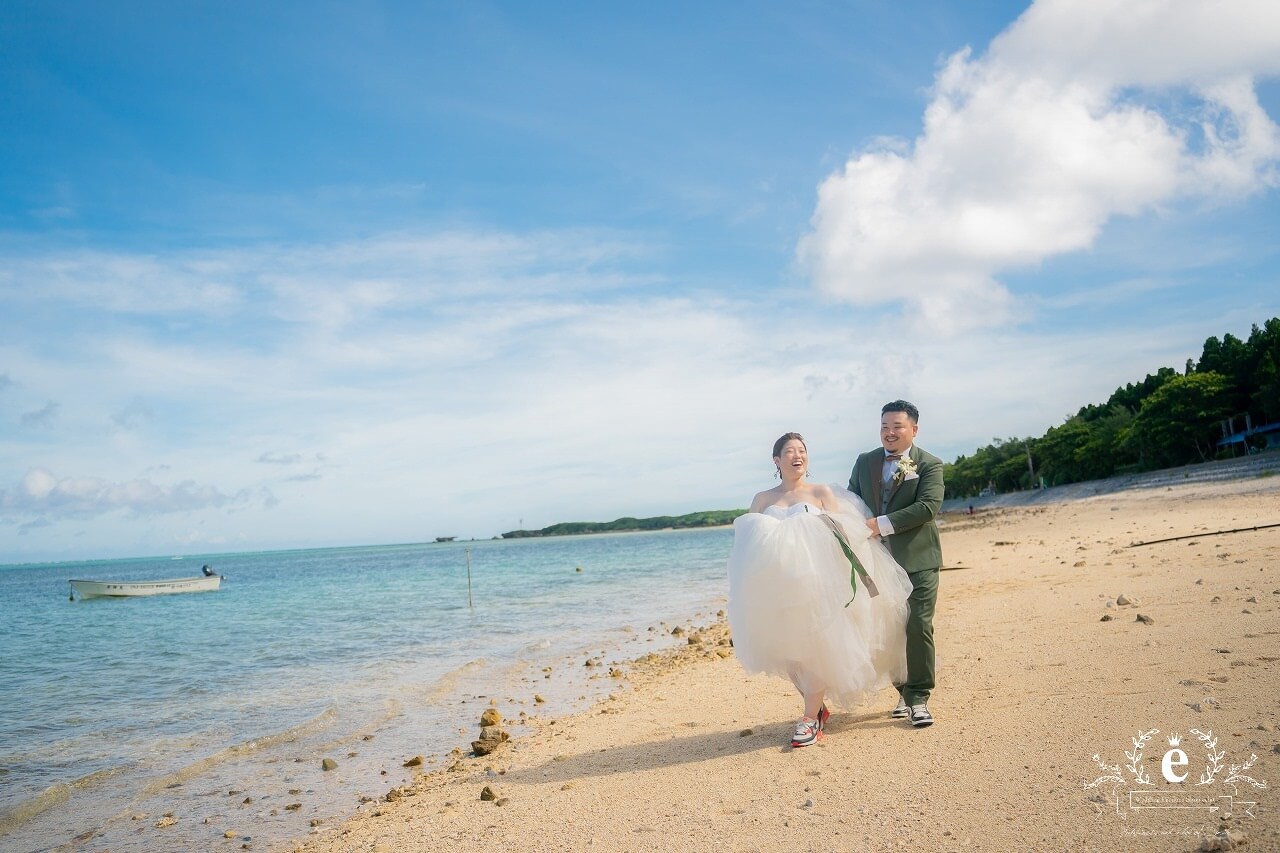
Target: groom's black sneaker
x,y
920,716
900,711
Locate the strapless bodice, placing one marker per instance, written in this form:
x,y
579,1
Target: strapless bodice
x,y
794,509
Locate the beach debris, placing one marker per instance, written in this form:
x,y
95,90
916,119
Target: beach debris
x,y
316,821
490,717
1206,702
293,807
416,761
1123,599
230,833
1215,599
487,794
328,764
1145,619
246,801
1225,839
724,653
537,699
746,733
1106,617
807,804
166,821
615,672
677,631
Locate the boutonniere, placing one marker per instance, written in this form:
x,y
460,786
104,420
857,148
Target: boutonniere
x,y
906,468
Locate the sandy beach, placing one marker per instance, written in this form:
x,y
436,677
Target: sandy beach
x,y
1045,682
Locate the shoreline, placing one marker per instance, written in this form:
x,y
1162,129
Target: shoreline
x,y
689,752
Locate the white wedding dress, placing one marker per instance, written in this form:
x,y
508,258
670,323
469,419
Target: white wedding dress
x,y
788,590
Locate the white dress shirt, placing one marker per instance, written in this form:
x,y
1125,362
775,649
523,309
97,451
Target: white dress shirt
x,y
890,468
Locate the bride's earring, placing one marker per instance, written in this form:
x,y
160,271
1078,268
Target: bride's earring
x,y
777,473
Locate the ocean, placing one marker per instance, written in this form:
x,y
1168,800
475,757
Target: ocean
x,y
211,712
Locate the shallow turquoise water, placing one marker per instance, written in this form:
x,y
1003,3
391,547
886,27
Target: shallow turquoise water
x,y
114,708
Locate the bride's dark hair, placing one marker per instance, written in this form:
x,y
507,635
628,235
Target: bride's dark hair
x,y
780,443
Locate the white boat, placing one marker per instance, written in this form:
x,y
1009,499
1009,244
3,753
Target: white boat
x,y
98,589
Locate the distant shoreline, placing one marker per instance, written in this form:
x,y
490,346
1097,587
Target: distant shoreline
x,y
627,524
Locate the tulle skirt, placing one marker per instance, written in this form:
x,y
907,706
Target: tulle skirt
x,y
789,603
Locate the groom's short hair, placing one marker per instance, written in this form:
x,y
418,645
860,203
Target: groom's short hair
x,y
902,406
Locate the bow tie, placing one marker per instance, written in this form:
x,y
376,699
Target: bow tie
x,y
892,457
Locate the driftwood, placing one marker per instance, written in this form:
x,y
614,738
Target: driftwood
x,y
1198,535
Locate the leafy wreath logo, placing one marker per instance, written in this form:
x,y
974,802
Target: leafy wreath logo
x,y
1213,765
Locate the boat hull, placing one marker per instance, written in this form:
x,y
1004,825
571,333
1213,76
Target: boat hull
x,y
114,589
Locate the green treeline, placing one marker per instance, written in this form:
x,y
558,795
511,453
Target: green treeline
x,y
1167,419
710,518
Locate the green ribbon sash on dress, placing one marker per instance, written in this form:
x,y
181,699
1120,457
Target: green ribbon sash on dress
x,y
855,566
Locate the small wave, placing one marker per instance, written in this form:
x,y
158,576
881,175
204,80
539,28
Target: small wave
x,y
239,750
447,684
54,795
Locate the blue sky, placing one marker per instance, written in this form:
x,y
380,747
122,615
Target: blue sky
x,y
295,274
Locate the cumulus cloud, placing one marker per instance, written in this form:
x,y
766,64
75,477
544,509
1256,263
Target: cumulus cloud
x,y
44,495
1078,113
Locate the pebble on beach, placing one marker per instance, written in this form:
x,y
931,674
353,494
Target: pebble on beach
x,y
416,761
328,764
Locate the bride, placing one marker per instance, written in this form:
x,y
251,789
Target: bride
x,y
812,597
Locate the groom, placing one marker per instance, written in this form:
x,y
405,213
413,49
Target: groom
x,y
902,484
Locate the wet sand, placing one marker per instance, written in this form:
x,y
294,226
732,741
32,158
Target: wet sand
x,y
1034,681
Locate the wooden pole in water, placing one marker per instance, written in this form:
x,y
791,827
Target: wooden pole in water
x,y
468,553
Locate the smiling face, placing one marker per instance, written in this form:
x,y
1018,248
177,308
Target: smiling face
x,y
793,457
897,431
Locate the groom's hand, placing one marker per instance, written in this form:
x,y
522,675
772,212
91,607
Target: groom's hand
x,y
873,525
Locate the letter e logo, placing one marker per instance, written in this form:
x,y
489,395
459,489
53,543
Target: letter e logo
x,y
1173,758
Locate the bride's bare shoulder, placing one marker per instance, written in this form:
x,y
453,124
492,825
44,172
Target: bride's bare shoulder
x,y
763,499
825,496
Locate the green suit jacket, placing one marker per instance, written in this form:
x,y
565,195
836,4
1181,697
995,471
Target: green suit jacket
x,y
913,506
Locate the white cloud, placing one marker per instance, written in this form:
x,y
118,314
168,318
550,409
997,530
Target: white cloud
x,y
43,496
1078,113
